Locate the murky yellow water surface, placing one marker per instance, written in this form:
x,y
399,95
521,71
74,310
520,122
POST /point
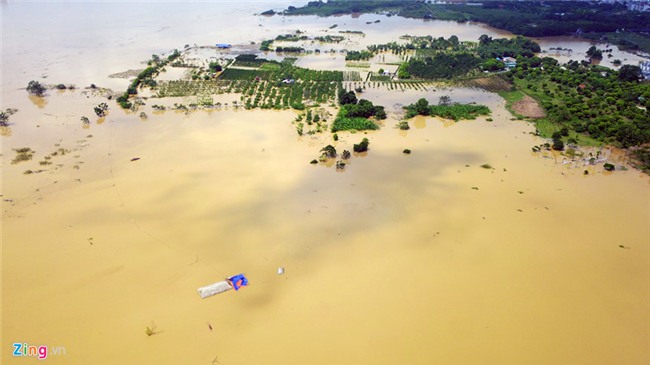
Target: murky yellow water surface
x,y
419,259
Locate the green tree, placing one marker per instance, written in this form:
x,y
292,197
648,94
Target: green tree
x,y
484,39
629,73
361,147
493,65
422,107
347,97
215,67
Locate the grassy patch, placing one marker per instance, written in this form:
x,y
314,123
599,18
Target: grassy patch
x,y
242,74
359,124
546,128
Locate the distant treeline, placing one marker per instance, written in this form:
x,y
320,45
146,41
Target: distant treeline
x,y
529,18
457,59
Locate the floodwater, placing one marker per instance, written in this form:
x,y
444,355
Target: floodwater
x,y
419,259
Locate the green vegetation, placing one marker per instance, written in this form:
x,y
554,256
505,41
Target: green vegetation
x,y
290,49
266,45
4,116
403,125
446,110
359,124
439,58
603,104
215,67
361,147
35,88
101,109
354,114
330,39
641,158
291,38
358,55
249,60
529,18
328,152
244,74
146,77
504,47
442,66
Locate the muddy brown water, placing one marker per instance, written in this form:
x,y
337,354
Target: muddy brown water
x,y
421,258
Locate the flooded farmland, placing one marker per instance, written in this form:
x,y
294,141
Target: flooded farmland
x,y
472,249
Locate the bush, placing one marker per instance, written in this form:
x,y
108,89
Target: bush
x,y
359,124
61,87
101,109
35,88
609,167
215,67
361,147
329,151
347,97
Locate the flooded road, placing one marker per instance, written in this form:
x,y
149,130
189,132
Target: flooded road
x,y
421,258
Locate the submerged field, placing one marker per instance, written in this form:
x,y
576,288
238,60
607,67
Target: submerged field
x,y
470,249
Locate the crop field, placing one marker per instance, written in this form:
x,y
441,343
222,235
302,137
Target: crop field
x,y
242,74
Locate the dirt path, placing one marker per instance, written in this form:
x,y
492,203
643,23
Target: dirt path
x,y
528,107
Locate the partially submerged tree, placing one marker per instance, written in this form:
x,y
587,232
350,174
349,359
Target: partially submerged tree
x,y
101,109
329,151
361,147
444,100
35,88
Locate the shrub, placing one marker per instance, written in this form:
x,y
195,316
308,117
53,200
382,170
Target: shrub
x,y
609,167
361,147
329,151
403,125
35,88
101,109
359,124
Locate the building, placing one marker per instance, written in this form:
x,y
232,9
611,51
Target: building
x,y
645,69
509,62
